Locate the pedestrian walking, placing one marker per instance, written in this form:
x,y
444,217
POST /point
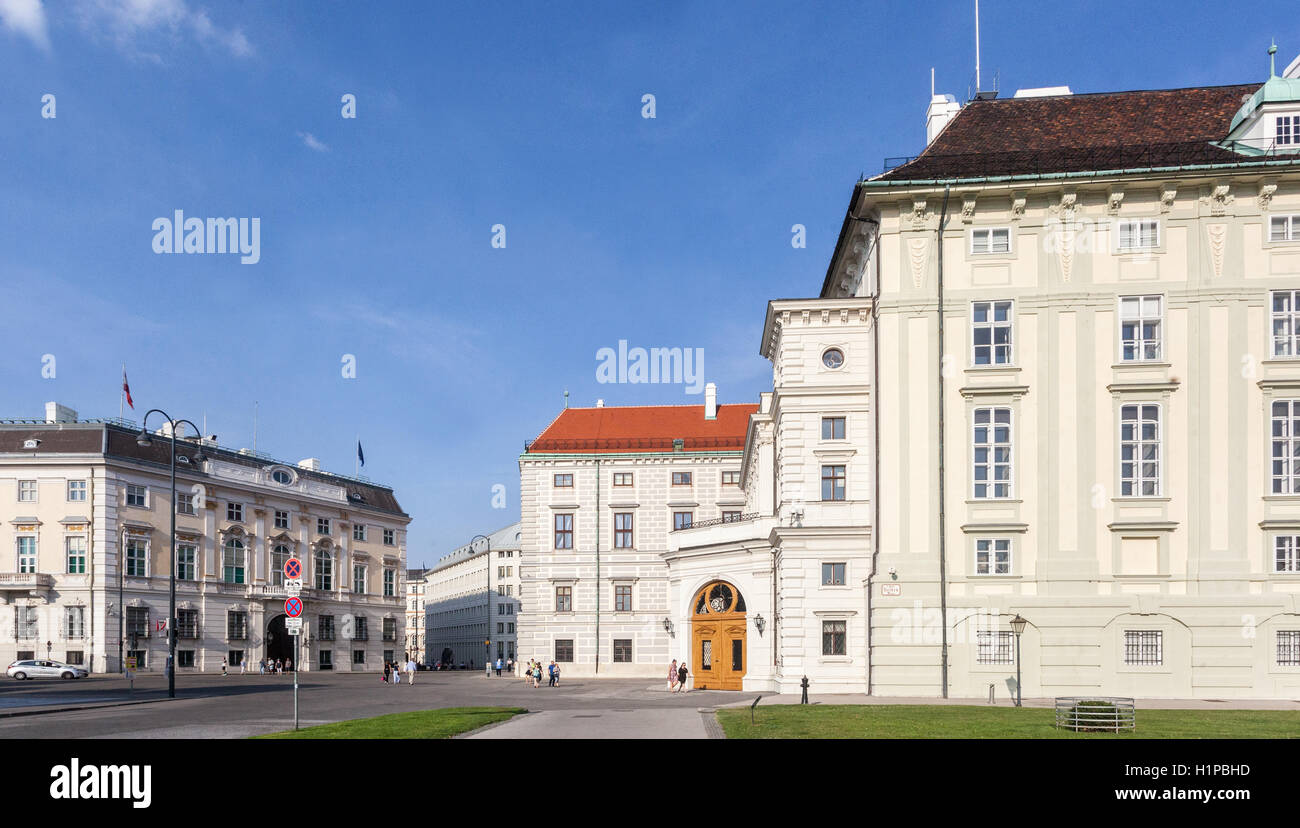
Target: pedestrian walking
x,y
672,676
550,671
499,665
243,666
387,670
537,674
288,665
556,674
261,667
279,666
223,668
682,672
397,673
510,665
411,667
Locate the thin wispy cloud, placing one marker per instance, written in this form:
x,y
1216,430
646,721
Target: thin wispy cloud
x,y
312,142
135,26
26,18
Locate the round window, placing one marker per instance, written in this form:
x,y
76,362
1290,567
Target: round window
x,y
282,477
833,358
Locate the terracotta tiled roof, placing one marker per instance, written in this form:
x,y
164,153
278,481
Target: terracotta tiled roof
x,y
644,428
1075,133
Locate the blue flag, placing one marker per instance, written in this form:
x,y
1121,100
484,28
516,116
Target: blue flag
x,y
361,456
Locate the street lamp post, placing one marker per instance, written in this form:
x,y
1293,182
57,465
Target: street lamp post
x,y
1018,627
143,440
487,642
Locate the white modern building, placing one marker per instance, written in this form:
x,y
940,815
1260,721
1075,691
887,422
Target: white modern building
x,y
85,515
471,601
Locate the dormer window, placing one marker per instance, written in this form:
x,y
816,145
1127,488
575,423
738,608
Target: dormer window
x,y
1288,130
990,240
1283,228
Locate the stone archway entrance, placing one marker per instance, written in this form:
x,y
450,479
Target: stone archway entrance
x,y
279,644
718,625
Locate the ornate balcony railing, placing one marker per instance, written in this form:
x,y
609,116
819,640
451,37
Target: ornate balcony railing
x,y
26,580
721,521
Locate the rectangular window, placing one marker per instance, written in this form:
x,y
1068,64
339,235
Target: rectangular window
x,y
991,333
622,478
564,599
141,658
564,481
622,651
235,512
358,531
187,623
27,624
76,555
236,625
136,495
136,558
184,503
359,578
683,520
359,657
325,660
1288,648
76,657
1139,450
991,451
832,428
510,627
833,638
501,628
986,240
184,658
1138,234
322,526
731,478
622,598
26,554
1140,327
390,583
1288,130
232,562
564,531
623,534
76,491
992,556
1286,553
1285,437
361,628
833,483
1284,228
390,629
137,622
1144,647
564,650
993,647
681,478
186,556
389,537
731,516
1286,323
26,491
833,574
281,519
325,628
74,623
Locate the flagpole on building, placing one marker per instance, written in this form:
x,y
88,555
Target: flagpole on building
x,y
121,395
356,463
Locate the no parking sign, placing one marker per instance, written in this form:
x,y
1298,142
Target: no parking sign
x,y
293,607
293,569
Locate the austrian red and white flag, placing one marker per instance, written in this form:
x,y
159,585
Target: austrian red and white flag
x,y
126,389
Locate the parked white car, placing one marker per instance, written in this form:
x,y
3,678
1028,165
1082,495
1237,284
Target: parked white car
x,y
36,668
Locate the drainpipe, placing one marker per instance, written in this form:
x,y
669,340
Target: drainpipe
x,y
943,550
597,668
875,408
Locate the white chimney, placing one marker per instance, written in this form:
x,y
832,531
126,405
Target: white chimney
x,y
942,109
310,464
600,403
1043,92
710,401
55,413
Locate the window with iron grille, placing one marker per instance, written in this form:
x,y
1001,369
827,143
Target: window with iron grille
x,y
390,629
564,531
1139,446
991,333
137,622
833,482
236,624
1286,323
1144,647
1288,648
1284,228
1139,234
26,554
322,526
1141,322
623,538
564,650
993,647
325,628
136,495
564,599
564,481
833,633
74,623
281,520
833,574
683,520
235,512
76,555
26,623
361,629
992,556
622,651
187,623
986,240
622,598
1286,553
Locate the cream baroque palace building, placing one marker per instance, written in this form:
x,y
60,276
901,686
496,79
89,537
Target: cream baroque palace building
x,y
1053,372
85,522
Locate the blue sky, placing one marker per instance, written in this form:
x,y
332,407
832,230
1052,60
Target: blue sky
x,y
376,231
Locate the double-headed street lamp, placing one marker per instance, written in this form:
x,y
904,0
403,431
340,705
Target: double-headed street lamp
x,y
143,440
487,642
1018,627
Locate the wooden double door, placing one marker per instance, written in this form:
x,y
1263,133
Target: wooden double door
x,y
718,638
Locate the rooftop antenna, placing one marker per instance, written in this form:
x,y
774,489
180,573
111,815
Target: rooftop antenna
x,y
977,45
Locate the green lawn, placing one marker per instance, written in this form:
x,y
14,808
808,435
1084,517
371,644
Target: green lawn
x,y
421,724
842,721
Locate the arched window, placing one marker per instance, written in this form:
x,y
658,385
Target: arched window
x,y
279,555
324,566
232,562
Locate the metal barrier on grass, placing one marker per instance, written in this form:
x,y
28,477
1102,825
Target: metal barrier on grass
x,y
1096,714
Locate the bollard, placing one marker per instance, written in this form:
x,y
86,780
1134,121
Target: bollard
x,y
804,685
991,686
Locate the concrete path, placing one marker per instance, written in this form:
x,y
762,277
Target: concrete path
x,y
653,723
1003,701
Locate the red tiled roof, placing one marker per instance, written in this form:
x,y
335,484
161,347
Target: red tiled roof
x,y
1074,133
643,428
